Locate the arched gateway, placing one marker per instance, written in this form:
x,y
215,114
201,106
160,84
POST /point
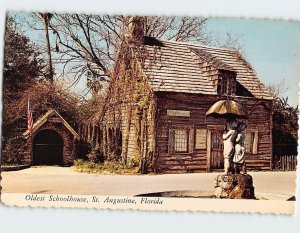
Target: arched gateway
x,y
47,148
51,142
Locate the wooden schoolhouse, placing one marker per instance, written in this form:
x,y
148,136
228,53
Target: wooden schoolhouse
x,y
158,97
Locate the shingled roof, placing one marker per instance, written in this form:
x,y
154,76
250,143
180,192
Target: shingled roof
x,y
175,67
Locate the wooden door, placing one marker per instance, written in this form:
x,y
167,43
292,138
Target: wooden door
x,y
47,148
216,150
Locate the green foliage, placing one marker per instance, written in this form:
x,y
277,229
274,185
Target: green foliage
x,y
108,167
23,79
22,64
285,128
12,153
87,166
285,122
95,155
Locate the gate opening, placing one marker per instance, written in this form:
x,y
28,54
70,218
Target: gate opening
x,y
48,148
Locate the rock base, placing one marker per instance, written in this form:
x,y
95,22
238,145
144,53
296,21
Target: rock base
x,y
234,186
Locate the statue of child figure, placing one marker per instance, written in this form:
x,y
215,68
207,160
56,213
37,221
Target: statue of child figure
x,y
229,139
239,154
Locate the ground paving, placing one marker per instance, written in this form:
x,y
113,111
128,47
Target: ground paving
x,y
64,180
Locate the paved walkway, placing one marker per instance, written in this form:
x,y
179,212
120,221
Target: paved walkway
x,y
63,180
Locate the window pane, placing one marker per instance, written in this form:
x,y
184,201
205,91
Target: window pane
x,y
226,84
181,140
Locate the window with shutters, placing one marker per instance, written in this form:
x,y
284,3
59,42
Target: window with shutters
x,y
181,140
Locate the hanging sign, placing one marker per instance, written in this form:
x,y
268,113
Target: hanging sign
x,y
180,113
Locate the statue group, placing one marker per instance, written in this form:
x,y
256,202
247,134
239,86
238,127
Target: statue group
x,y
234,147
233,184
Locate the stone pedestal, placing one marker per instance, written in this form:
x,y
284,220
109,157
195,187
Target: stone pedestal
x,y
234,186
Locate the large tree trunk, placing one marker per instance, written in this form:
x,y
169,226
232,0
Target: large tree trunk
x,y
46,18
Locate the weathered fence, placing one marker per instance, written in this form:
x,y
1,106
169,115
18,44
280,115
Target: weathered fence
x,y
285,162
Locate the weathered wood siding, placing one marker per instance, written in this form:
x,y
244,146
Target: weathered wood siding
x,y
259,123
129,108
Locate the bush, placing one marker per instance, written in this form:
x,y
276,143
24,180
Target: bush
x,y
12,152
95,156
111,167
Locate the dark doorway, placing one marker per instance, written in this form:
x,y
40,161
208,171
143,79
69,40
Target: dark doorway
x,y
48,148
216,158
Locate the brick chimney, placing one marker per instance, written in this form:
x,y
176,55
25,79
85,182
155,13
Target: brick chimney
x,y
135,30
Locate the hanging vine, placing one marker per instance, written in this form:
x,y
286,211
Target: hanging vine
x,y
127,117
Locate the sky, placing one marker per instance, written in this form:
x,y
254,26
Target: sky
x,y
272,47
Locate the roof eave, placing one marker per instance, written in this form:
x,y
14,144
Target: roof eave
x,y
43,119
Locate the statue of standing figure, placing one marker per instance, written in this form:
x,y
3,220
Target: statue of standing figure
x,y
229,139
239,150
234,150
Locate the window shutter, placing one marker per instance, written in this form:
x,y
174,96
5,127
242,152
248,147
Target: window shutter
x,y
201,135
191,140
171,145
248,142
233,85
255,142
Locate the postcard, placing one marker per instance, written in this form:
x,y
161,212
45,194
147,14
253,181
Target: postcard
x,y
150,112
